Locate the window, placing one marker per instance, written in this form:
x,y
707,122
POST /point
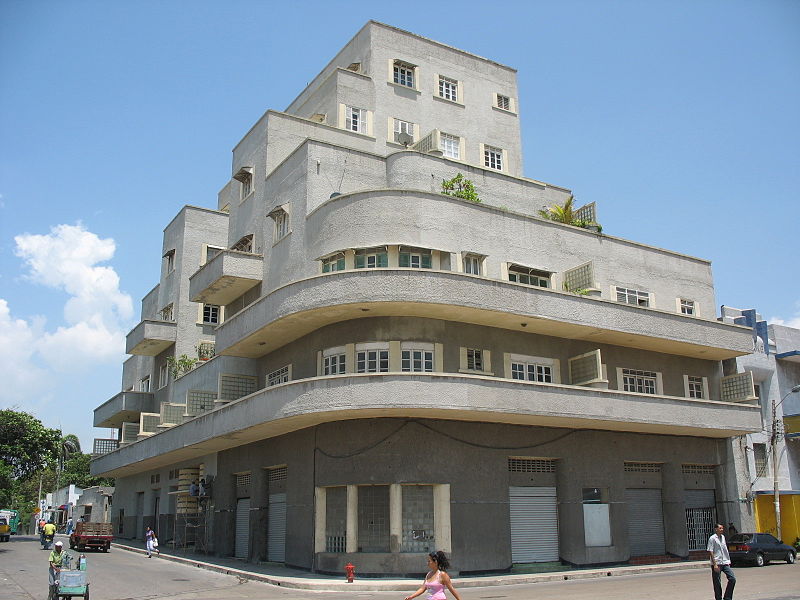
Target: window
x,y
448,88
169,262
641,382
333,361
373,518
635,297
760,457
416,259
372,258
333,263
695,386
450,145
355,119
401,127
245,244
687,306
211,252
245,177
163,376
472,264
336,519
417,518
474,359
531,371
211,314
167,313
281,225
503,102
206,350
416,358
372,360
278,376
528,276
403,74
493,157
144,384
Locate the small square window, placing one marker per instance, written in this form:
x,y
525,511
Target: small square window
x,y
403,74
450,145
474,359
448,88
687,306
403,127
333,364
356,119
695,387
503,102
211,314
167,313
473,264
493,158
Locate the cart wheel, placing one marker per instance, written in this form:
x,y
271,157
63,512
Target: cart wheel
x,y
105,548
86,595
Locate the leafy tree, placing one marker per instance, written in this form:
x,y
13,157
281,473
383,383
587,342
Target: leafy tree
x,y
460,187
181,365
26,445
76,470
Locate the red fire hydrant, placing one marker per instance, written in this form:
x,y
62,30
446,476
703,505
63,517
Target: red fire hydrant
x,y
350,571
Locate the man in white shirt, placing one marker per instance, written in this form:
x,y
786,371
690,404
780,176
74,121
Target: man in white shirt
x,y
720,563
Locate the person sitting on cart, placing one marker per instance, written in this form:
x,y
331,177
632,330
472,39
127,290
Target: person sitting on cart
x,y
56,559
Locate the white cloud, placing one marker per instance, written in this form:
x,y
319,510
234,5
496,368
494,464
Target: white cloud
x,y
793,321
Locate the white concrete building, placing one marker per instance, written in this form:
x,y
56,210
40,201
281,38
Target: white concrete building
x,y
397,371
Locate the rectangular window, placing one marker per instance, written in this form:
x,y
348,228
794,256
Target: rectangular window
x,y
687,306
372,361
373,518
211,252
503,102
530,371
760,457
401,127
372,258
695,387
417,502
635,297
641,382
356,119
278,376
144,384
403,74
474,359
247,184
333,364
206,350
281,225
336,519
448,88
417,360
167,313
333,263
163,376
472,264
416,259
211,314
493,158
169,262
529,276
450,145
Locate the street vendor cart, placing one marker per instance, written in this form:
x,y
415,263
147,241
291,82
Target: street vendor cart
x,y
72,583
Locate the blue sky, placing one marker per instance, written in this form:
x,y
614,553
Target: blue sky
x,y
679,119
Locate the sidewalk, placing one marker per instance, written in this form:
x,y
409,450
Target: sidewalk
x,y
279,575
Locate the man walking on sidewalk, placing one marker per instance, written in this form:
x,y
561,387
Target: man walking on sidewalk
x,y
720,563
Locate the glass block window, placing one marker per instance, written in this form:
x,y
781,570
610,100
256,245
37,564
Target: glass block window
x,y
333,263
687,306
372,259
448,88
130,431
695,387
211,314
336,519
373,518
531,465
372,361
635,297
503,102
243,479
233,387
641,382
403,74
278,376
417,519
401,127
738,387
150,422
760,457
493,158
450,145
333,364
529,371
474,359
528,276
579,278
585,368
277,474
416,259
642,467
199,401
355,119
172,414
103,446
417,360
693,469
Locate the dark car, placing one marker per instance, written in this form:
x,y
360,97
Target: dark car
x,y
759,549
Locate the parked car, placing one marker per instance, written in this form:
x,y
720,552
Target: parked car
x,y
5,530
759,549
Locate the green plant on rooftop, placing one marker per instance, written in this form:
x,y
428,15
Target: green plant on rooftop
x,y
181,365
566,213
460,187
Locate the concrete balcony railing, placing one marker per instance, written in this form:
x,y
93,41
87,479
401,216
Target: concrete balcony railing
x,y
104,446
124,407
150,337
296,405
226,277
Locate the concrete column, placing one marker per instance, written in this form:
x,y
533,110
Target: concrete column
x,y
393,257
676,539
442,532
395,517
350,358
352,518
438,358
349,259
320,495
395,357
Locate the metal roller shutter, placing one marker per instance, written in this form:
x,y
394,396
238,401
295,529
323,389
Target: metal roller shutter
x,y
534,524
645,522
242,528
700,517
276,532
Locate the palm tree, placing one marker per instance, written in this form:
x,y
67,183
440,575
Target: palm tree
x,y
566,213
69,445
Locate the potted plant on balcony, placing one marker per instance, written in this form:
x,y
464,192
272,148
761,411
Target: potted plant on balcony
x,y
181,365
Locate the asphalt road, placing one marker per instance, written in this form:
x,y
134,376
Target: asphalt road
x,y
123,575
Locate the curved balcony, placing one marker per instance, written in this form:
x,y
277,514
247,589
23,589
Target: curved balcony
x,y
226,277
299,308
150,337
304,403
124,407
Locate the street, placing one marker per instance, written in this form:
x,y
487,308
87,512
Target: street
x,y
123,575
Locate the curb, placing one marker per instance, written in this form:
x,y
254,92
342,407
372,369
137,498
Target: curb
x,y
402,585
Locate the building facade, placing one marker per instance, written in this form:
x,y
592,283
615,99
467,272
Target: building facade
x,y
386,370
